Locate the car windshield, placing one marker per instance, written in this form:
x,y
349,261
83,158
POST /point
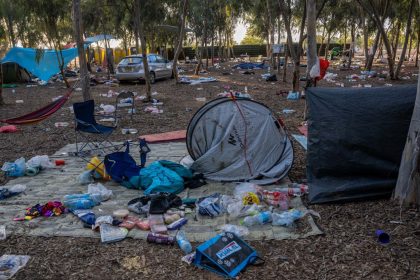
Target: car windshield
x,y
131,61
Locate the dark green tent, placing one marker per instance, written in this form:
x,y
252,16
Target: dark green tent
x,y
13,73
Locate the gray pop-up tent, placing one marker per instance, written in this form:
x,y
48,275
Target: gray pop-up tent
x,y
238,140
356,137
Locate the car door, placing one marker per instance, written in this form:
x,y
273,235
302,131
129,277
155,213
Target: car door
x,y
166,71
151,59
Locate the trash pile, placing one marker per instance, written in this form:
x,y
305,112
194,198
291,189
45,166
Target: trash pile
x,y
20,168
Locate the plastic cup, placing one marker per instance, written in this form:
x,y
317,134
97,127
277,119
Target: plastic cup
x,y
382,236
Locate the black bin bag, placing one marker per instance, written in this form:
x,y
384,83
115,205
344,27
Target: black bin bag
x,y
356,137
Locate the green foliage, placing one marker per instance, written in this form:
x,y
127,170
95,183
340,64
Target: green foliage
x,y
250,39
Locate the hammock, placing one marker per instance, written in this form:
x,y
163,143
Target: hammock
x,y
40,114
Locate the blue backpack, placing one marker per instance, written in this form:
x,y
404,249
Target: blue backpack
x,y
121,166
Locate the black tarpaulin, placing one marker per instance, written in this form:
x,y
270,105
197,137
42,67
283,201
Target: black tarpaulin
x,y
356,137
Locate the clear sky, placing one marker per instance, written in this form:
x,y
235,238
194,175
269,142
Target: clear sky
x,y
240,31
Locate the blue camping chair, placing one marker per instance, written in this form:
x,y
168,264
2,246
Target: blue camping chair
x,y
95,136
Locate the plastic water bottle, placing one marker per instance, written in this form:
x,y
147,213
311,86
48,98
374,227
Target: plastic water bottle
x,y
286,218
79,201
177,224
259,219
183,242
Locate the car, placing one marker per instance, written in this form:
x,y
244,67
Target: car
x,y
131,68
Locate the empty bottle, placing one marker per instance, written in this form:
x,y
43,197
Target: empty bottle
x,y
160,238
294,189
177,224
79,201
259,219
183,242
286,218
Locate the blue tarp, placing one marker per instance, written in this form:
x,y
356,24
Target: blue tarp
x,y
97,38
46,67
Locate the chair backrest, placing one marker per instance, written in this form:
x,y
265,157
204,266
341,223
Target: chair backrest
x,y
84,111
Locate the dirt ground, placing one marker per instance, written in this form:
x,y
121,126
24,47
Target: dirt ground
x,y
348,250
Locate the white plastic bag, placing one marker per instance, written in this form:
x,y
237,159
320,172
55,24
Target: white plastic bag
x,y
108,109
40,161
237,230
99,190
315,70
10,264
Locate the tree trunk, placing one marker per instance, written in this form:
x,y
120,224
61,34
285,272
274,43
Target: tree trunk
x,y
345,37
311,55
180,40
407,35
328,44
371,56
78,31
1,85
407,190
379,24
365,39
294,54
352,44
418,47
286,56
322,41
397,38
138,20
9,23
410,45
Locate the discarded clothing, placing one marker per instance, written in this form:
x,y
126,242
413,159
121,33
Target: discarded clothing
x,y
161,176
51,208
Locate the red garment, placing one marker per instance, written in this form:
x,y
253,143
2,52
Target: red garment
x,y
323,65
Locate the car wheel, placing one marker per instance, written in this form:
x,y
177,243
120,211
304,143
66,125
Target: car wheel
x,y
152,77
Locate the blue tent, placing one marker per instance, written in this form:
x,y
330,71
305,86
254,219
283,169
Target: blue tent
x,y
46,67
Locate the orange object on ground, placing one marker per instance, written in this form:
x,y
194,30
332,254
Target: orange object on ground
x,y
172,136
59,162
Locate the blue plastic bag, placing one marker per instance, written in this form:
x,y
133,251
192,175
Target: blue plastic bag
x,y
15,169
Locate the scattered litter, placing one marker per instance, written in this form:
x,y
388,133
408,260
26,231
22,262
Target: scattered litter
x,y
382,236
189,259
153,110
10,264
110,233
107,120
141,97
131,111
61,124
201,99
368,85
59,162
302,140
56,98
405,78
78,89
19,101
100,191
8,129
238,230
15,169
288,111
200,88
108,109
293,95
129,131
3,233
155,93
388,85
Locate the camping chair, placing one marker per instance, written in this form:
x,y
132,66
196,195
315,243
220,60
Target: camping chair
x,y
121,96
87,127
